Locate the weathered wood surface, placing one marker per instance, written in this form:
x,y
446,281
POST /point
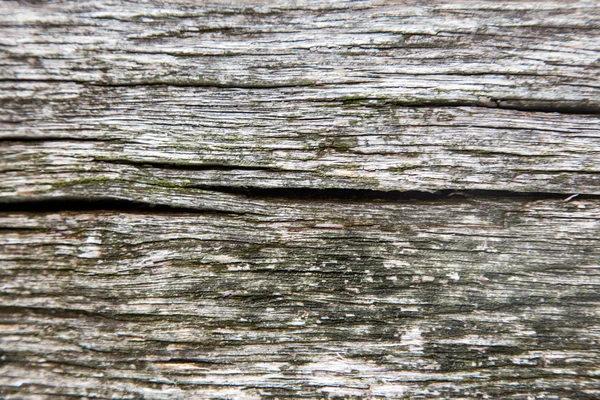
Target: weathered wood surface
x,y
365,199
277,138
536,53
461,297
301,94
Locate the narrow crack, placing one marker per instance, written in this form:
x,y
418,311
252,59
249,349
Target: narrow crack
x,y
72,204
40,139
370,195
207,84
581,107
189,167
285,195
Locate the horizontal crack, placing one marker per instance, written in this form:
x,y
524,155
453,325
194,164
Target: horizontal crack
x,y
358,195
40,139
582,107
65,204
74,204
56,312
199,84
577,108
189,167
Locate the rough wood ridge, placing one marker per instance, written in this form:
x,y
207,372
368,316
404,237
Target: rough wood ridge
x,y
300,199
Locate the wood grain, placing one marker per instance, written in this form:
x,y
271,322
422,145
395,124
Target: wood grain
x,y
530,54
299,199
62,136
454,298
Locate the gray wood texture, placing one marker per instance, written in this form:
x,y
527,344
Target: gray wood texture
x,y
433,298
300,199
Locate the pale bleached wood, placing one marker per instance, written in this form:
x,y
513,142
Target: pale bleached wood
x,y
454,298
302,94
295,143
63,138
519,54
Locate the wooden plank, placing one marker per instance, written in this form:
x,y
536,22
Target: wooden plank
x,y
533,54
448,298
68,139
299,199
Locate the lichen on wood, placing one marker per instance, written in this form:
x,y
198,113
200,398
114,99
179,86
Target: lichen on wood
x,y
439,298
299,199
